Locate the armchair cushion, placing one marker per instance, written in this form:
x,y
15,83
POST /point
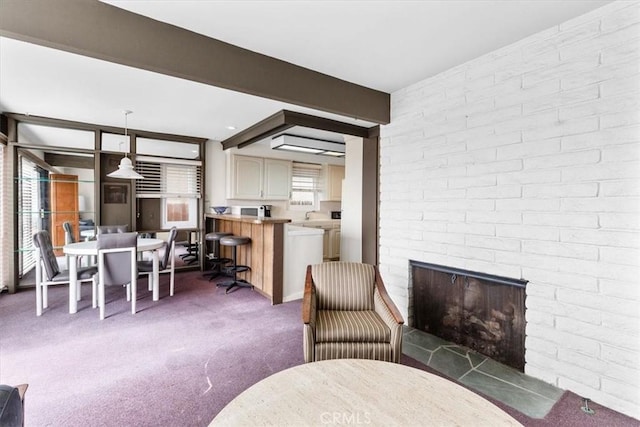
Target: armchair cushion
x,y
344,285
351,326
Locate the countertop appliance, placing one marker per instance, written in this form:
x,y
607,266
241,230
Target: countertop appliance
x,y
336,214
262,211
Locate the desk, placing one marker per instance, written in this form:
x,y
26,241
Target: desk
x,y
356,391
91,248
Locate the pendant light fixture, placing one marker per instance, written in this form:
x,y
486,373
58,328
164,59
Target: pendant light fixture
x,y
125,168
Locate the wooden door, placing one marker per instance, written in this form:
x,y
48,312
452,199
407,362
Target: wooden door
x,y
64,207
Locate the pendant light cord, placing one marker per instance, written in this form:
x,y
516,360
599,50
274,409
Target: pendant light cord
x,y
126,115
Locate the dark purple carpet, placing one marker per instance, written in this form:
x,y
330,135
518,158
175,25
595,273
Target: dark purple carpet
x,y
177,362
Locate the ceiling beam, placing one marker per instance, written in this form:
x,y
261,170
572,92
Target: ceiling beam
x,y
68,124
99,30
286,119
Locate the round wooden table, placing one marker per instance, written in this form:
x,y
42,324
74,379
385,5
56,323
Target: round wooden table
x,y
359,392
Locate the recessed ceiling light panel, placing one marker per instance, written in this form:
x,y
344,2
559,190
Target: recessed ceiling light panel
x,y
307,145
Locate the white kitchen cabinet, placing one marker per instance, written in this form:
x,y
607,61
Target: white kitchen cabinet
x,y
247,174
335,175
277,179
326,247
255,178
334,243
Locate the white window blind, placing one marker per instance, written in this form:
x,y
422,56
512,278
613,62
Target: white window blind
x,y
29,213
305,184
6,259
177,182
166,179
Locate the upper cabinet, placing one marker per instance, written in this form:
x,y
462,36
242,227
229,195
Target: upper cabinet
x,y
277,179
247,174
335,176
255,178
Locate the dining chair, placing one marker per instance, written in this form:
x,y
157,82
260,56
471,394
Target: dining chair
x,y
12,405
69,237
167,263
116,267
48,271
68,233
110,229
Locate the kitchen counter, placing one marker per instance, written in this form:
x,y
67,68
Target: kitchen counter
x,y
264,255
317,223
248,219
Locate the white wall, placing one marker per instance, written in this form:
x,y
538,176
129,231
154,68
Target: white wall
x,y
525,163
351,223
216,176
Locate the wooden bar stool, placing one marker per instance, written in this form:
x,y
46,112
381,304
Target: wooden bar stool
x,y
234,242
217,262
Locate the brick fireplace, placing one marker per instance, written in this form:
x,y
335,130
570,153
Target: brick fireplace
x,y
524,163
483,312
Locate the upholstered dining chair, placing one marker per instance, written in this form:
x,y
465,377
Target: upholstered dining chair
x,y
116,266
167,263
69,237
348,314
68,233
48,271
110,229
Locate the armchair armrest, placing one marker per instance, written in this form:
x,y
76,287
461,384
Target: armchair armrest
x,y
309,300
386,300
309,318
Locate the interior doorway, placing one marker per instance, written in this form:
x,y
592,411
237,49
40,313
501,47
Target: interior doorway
x,y
64,208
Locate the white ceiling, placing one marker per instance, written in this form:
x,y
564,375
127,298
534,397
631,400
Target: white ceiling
x,y
385,45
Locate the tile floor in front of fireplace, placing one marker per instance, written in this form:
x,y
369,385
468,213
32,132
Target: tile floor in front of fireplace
x,y
528,395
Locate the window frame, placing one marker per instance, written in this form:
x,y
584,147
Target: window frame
x,y
306,170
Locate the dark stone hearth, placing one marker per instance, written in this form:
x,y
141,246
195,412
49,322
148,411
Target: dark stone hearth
x,y
482,312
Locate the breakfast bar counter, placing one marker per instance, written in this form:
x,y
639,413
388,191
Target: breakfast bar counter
x,y
265,253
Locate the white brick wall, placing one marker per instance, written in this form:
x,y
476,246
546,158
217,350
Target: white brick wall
x,y
526,163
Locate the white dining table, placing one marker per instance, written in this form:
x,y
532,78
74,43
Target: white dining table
x,y
90,247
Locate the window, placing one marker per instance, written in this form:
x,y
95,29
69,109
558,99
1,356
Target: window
x,y
177,183
305,186
51,136
4,280
170,149
30,212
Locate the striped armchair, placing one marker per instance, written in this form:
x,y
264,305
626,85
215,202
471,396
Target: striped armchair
x,y
348,314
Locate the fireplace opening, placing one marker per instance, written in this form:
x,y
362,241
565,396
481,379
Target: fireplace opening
x,y
483,312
